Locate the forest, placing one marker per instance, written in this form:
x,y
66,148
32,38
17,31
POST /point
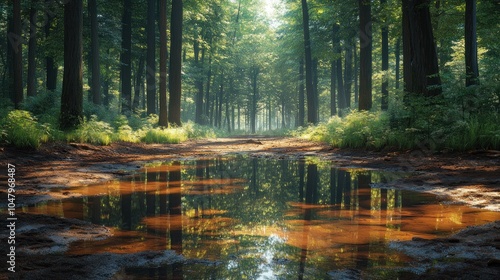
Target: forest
x,y
361,74
250,139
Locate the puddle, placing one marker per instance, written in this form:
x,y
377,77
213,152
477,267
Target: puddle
x,y
242,217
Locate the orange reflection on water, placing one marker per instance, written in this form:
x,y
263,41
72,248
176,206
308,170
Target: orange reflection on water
x,y
125,187
198,187
122,242
179,222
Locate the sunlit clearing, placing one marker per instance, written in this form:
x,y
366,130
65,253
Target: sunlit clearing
x,y
272,11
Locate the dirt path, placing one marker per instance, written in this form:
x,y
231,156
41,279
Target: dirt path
x,y
472,178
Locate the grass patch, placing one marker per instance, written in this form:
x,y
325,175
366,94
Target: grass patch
x,y
21,129
92,131
164,136
356,130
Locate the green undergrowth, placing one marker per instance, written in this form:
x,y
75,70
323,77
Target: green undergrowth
x,y
445,123
22,129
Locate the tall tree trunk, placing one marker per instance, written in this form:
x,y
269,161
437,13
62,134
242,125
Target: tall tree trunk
x,y
348,75
239,117
471,66
150,58
126,57
198,81
284,119
32,46
72,90
398,58
233,120
356,73
311,108
301,94
209,78
365,56
420,62
51,69
341,99
138,84
175,78
385,61
253,108
215,105
231,89
16,41
9,67
221,95
270,117
315,86
163,118
105,85
96,64
333,84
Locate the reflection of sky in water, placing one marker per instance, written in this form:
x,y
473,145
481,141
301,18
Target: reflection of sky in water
x,y
268,256
261,218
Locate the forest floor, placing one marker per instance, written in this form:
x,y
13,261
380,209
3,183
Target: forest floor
x,y
472,178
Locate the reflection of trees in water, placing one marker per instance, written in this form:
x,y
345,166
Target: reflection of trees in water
x,y
283,197
311,198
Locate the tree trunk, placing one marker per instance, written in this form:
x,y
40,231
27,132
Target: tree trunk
x,y
365,56
356,73
471,65
333,97
72,90
32,46
198,81
163,118
311,108
150,58
385,61
239,117
283,114
341,100
315,86
231,89
105,84
9,67
398,55
175,78
125,58
16,41
51,69
253,108
96,64
420,62
348,75
138,84
301,94
209,78
219,102
270,117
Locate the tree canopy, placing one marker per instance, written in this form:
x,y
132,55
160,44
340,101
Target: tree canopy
x,y
251,65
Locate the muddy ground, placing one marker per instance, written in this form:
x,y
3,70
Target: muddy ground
x,y
472,178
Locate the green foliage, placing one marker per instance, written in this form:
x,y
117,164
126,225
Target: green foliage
x,y
22,130
125,133
461,119
164,136
92,131
46,106
196,131
356,130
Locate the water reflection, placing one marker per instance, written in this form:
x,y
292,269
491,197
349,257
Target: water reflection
x,y
261,218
